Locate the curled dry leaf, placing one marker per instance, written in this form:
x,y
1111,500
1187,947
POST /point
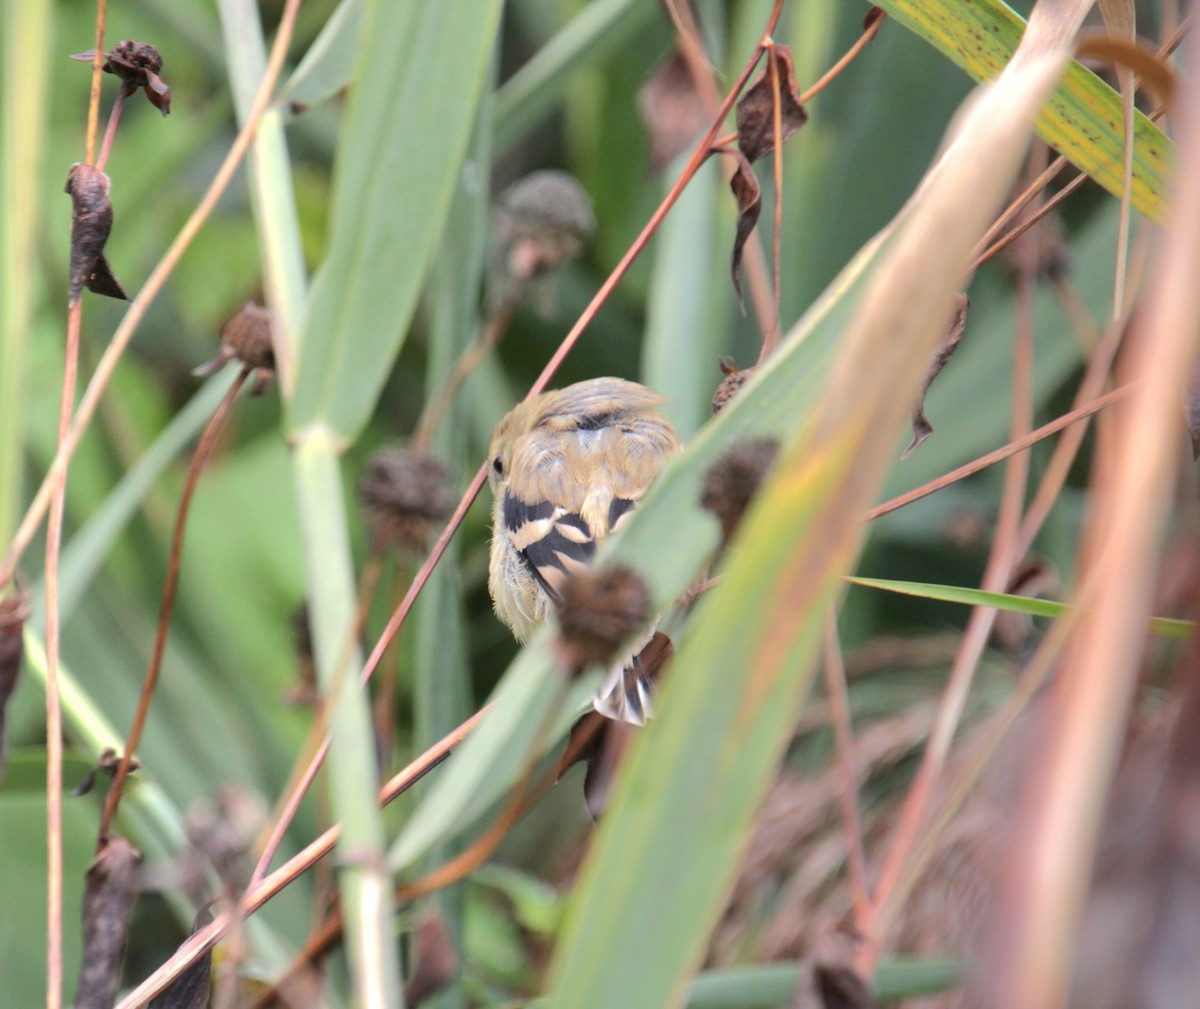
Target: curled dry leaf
x,y
108,762
107,904
91,224
672,111
748,194
756,108
14,609
922,429
137,64
193,988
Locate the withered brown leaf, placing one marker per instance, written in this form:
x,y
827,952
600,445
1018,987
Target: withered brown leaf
x,y
748,193
107,904
91,224
922,429
193,988
756,108
14,609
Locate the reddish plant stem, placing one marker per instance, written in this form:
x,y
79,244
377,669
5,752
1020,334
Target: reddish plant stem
x,y
54,724
771,338
258,894
154,283
110,131
1001,561
699,155
838,697
199,458
1000,454
93,120
869,33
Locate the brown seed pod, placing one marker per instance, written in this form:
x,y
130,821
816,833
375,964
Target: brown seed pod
x,y
405,494
734,379
246,338
542,220
733,480
598,612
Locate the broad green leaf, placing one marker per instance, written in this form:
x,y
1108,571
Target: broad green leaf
x,y
1083,119
326,67
417,82
1002,601
693,780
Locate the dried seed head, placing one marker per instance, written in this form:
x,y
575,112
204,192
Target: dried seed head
x,y
733,480
137,64
542,220
734,379
246,338
598,612
405,495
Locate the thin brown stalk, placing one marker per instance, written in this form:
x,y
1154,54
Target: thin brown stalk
x,y
110,131
93,120
699,155
1001,561
1000,454
259,893
827,78
838,697
154,283
203,449
700,69
470,359
54,727
771,339
304,772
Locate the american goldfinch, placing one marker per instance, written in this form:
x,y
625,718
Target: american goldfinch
x,y
566,468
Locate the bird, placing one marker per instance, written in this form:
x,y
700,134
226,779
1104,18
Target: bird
x,y
566,468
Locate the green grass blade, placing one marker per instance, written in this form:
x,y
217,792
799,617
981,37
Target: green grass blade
x,y
417,83
326,67
28,41
1166,626
1083,119
694,779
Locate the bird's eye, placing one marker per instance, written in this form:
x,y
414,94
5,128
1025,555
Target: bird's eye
x,y
498,466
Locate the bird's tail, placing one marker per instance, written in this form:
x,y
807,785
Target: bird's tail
x,y
628,695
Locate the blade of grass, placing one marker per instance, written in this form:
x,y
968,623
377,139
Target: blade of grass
x,y
695,777
1166,626
28,32
1083,120
416,86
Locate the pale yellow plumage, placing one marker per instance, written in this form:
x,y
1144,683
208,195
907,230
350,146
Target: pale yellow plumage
x,y
565,468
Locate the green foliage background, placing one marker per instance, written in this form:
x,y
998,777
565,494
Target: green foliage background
x,y
390,190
